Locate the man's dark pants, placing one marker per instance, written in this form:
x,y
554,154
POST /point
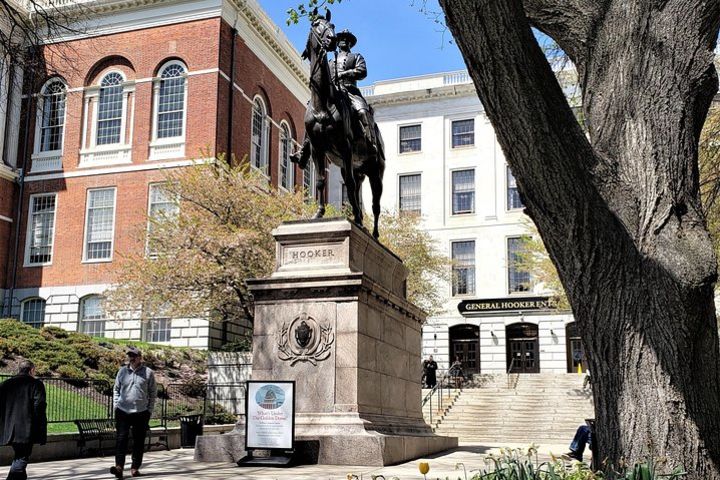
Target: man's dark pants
x,y
20,461
124,422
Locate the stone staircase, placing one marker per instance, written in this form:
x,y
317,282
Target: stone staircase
x,y
522,409
434,411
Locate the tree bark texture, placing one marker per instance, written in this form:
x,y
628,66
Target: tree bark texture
x,y
618,209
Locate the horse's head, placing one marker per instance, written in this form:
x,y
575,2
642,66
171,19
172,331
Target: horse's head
x,y
321,37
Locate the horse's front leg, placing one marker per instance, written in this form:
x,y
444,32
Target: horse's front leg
x,y
350,182
320,180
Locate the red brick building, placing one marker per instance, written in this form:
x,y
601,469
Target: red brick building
x,y
148,88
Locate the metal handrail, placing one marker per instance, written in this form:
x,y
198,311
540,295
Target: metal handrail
x,y
510,383
437,389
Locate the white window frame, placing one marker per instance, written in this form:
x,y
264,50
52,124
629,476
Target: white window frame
x,y
148,253
87,220
22,310
399,191
171,147
399,148
285,127
28,235
452,192
531,283
49,160
146,330
81,316
452,135
312,175
111,154
475,268
264,168
508,173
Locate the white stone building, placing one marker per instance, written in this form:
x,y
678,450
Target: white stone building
x,y
443,162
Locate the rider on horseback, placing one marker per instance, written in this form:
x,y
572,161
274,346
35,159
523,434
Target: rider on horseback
x,y
349,68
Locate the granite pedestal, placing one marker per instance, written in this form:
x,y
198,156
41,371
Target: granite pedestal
x,y
358,371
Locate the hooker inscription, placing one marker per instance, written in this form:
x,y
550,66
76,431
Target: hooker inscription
x,y
305,340
319,255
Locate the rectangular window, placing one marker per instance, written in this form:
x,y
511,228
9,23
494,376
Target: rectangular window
x,y
463,191
410,138
157,330
100,224
162,205
171,107
463,258
513,196
518,278
41,229
463,133
110,112
409,194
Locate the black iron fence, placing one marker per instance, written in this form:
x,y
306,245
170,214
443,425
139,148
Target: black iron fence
x,y
71,399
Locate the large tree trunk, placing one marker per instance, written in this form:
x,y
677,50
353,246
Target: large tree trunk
x,y
619,209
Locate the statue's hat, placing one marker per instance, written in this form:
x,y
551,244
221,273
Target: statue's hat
x,y
348,36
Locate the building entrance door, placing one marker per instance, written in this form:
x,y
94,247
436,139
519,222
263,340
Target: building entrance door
x,y
465,343
523,348
575,349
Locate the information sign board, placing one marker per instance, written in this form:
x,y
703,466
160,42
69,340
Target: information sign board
x,y
270,415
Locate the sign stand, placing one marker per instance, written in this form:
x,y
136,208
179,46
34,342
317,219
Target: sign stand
x,y
269,424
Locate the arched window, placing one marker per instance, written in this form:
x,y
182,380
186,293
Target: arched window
x,y
171,101
92,316
110,110
259,151
32,312
287,177
52,115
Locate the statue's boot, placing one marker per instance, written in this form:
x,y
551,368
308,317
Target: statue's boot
x,y
302,156
369,132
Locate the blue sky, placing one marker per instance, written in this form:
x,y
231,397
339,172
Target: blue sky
x,y
393,36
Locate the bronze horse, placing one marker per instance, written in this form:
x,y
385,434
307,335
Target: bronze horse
x,y
334,132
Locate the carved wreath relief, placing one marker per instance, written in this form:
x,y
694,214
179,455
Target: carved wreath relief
x,y
305,340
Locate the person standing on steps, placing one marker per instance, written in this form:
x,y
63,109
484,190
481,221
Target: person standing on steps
x,y
134,398
23,417
431,367
456,372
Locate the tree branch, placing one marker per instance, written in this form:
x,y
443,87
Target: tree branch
x,y
569,22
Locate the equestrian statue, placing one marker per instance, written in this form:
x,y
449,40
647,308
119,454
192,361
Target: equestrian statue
x,y
339,124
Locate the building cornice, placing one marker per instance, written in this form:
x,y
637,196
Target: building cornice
x,y
414,96
116,16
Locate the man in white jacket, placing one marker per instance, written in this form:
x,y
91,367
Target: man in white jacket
x,y
134,398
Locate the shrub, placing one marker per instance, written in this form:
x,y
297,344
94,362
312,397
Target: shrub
x,y
69,371
193,387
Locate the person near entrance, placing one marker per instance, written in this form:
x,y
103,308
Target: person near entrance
x,y
23,417
430,368
134,398
583,437
456,372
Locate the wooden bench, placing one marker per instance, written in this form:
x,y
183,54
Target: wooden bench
x,y
103,432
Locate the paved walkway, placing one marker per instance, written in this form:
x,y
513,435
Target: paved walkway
x,y
179,464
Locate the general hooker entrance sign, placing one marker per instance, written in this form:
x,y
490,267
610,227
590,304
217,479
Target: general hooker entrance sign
x,y
499,305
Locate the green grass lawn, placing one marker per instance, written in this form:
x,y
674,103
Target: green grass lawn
x,y
66,404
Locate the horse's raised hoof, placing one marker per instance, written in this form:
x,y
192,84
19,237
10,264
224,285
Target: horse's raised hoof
x,y
319,214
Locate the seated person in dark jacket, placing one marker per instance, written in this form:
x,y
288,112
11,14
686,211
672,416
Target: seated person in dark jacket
x,y
22,417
